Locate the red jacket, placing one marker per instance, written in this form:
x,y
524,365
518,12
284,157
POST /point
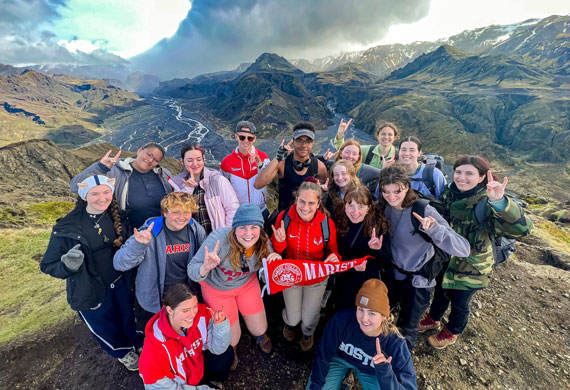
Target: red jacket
x,y
167,354
305,239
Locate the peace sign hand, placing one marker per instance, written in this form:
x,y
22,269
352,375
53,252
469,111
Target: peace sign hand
x,y
495,189
218,316
211,259
109,161
386,163
380,358
325,187
375,242
144,236
279,234
190,182
342,127
426,222
254,158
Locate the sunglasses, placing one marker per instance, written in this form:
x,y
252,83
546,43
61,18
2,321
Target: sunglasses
x,y
250,138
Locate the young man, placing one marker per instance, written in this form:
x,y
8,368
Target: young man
x,y
242,166
293,168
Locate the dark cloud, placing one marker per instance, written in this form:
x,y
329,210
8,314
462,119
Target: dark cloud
x,y
220,34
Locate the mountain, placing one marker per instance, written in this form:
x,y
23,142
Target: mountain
x,y
35,105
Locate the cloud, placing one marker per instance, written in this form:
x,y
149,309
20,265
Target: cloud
x,y
221,34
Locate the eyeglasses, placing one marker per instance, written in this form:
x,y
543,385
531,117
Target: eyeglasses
x,y
303,141
250,138
151,157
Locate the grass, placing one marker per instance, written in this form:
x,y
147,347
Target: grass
x,y
553,235
48,212
30,301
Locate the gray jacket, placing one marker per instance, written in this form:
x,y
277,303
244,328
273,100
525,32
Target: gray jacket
x,y
223,277
121,171
151,260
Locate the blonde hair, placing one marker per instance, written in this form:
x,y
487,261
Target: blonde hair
x,y
178,201
261,248
351,142
388,327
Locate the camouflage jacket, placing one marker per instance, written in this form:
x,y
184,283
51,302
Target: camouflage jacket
x,y
474,271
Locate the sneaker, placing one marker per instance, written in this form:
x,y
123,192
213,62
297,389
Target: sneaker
x,y
131,361
235,363
288,333
442,339
427,323
306,343
264,343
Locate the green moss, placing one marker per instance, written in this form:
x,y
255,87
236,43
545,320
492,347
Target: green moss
x,y
48,212
30,301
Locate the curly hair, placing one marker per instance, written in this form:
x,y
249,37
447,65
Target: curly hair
x,y
396,174
182,201
374,219
261,248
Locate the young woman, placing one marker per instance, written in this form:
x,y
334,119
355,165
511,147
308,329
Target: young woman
x,y
186,345
378,156
140,182
342,176
304,240
364,340
410,250
161,250
81,250
214,193
361,230
226,266
472,184
410,151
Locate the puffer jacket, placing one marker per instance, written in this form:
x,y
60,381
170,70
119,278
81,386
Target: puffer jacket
x,y
474,271
220,197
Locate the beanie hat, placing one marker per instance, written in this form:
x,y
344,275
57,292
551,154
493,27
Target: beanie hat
x,y
248,125
248,214
373,295
93,181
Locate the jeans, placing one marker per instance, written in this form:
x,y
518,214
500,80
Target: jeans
x,y
303,304
338,369
460,301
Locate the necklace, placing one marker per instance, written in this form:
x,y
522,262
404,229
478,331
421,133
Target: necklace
x,y
97,227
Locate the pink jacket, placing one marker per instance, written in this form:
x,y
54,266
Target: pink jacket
x,y
221,199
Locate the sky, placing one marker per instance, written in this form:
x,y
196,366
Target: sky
x,y
180,38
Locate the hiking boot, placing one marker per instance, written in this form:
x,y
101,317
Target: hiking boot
x,y
288,333
264,343
235,363
348,381
442,339
427,323
131,361
306,343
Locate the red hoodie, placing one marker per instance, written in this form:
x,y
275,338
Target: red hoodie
x,y
305,239
168,354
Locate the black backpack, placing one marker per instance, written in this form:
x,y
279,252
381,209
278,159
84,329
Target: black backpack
x,y
503,246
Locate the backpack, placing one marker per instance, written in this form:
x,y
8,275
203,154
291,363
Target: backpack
x,y
427,179
370,155
503,246
324,227
432,159
440,259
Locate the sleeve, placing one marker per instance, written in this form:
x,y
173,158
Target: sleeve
x,y
198,259
230,200
332,246
219,336
398,374
279,247
338,142
131,254
439,180
93,169
327,347
511,221
170,384
444,237
51,263
224,168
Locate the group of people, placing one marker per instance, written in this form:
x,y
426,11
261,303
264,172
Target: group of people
x,y
184,251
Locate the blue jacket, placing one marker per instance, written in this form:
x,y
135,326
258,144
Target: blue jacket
x,y
344,339
151,261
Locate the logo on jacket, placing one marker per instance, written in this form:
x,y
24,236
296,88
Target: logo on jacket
x,y
318,243
235,169
287,275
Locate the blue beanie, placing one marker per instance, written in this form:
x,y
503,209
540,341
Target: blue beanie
x,y
247,214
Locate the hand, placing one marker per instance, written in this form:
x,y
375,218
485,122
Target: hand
x,y
190,182
273,256
328,155
427,222
325,187
279,234
284,150
379,358
495,190
144,236
387,163
109,161
375,242
254,158
361,267
342,127
211,259
332,258
73,258
218,316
